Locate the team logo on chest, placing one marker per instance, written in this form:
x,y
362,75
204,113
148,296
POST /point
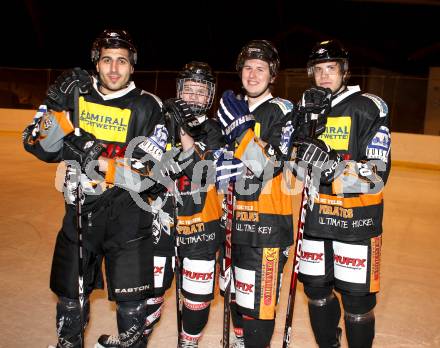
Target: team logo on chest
x,y
105,122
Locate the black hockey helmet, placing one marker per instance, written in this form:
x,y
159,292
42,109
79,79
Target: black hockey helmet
x,y
330,50
198,72
114,38
259,49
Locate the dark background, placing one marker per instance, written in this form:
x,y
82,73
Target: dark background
x,y
391,44
400,36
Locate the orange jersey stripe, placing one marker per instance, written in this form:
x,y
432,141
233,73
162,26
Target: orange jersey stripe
x,y
249,135
211,211
269,275
376,244
352,202
63,121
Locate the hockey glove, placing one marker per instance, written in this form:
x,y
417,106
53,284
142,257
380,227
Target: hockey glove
x,y
228,168
60,94
318,154
234,116
317,100
83,149
166,171
177,110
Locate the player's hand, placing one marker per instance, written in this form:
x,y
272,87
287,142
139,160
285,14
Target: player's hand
x,y
60,94
234,116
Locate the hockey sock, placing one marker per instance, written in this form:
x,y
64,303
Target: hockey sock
x,y
237,320
324,317
154,311
194,316
257,333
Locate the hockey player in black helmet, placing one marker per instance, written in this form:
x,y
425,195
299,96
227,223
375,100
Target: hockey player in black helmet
x,y
330,51
111,39
114,114
262,50
201,140
114,38
345,225
197,82
261,126
198,232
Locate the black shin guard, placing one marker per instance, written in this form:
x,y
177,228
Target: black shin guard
x,y
359,319
324,314
359,329
257,333
131,323
68,322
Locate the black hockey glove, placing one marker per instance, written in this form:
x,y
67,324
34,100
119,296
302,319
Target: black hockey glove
x,y
60,94
234,116
177,110
317,100
83,149
318,154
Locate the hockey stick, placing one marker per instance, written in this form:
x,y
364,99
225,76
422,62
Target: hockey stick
x,y
299,237
227,264
78,194
177,266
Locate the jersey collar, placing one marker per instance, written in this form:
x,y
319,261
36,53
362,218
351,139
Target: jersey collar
x,y
116,94
349,91
256,105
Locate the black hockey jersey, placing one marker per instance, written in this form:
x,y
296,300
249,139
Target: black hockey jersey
x,y
198,215
113,119
351,208
263,214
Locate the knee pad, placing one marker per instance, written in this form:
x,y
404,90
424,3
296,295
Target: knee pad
x,y
68,321
358,304
257,333
195,316
316,293
131,323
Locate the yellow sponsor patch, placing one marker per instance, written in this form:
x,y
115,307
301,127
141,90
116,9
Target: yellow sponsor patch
x,y
337,132
257,129
104,122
